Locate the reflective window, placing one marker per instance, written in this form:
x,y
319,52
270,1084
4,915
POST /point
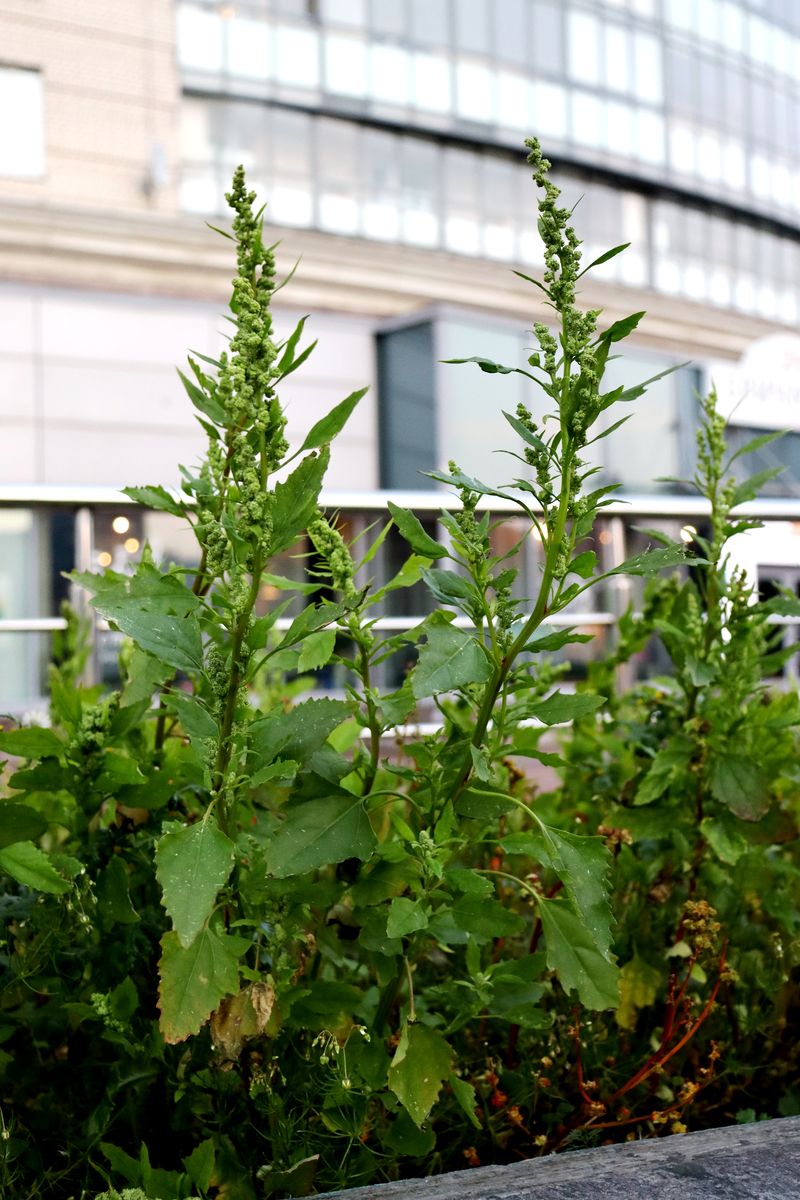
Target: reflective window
x,y
475,92
587,126
431,83
514,101
429,21
344,12
583,47
380,167
550,109
546,32
345,65
296,56
510,30
388,16
647,67
199,39
337,175
22,139
248,48
420,174
471,20
390,73
617,59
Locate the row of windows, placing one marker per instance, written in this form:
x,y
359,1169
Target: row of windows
x,y
344,178
622,79
730,26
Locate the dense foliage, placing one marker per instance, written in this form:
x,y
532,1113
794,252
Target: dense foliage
x,y
249,952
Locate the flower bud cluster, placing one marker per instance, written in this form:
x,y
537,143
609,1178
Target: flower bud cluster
x,y
699,924
474,539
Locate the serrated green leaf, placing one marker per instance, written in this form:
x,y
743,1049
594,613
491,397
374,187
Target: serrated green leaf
x,y
405,916
639,986
740,785
19,823
565,706
200,1164
410,528
485,918
113,896
295,734
316,650
653,561
30,743
727,842
156,497
157,612
193,715
421,1064
194,979
448,587
449,659
327,428
295,500
465,1095
204,403
192,864
573,955
31,866
320,832
582,864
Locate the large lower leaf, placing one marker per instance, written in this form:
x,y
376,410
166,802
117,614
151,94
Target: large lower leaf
x,y
741,785
29,865
573,955
19,823
319,832
194,980
421,1064
30,743
192,863
296,734
582,864
450,659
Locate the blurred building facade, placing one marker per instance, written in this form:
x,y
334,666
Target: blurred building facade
x,y
386,138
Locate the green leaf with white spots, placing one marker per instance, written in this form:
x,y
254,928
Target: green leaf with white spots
x,y
192,863
422,1062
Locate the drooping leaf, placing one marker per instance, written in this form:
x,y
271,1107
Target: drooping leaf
x,y
156,497
447,586
20,823
31,866
113,895
465,1095
203,402
30,743
741,785
653,561
727,842
750,488
319,832
582,864
193,715
410,528
757,443
194,979
405,916
298,733
573,955
295,500
158,613
327,428
316,650
566,706
639,986
192,864
449,659
422,1062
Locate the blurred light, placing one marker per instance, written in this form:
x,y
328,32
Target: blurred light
x,y
120,524
604,536
104,559
131,545
269,592
535,534
227,11
688,533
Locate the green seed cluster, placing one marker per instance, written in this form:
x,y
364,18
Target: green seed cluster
x,y
332,549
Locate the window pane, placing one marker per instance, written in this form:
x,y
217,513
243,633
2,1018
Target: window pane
x,y
588,119
337,175
509,30
472,25
431,75
388,16
462,208
513,101
345,65
390,74
474,92
380,169
21,138
248,50
420,167
546,32
650,136
296,56
344,12
199,39
429,22
550,109
583,47
647,57
290,168
621,139
617,64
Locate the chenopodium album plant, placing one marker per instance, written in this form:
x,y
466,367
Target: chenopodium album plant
x,y
692,778
341,942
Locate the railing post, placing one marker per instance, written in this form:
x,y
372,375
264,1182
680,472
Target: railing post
x,y
84,561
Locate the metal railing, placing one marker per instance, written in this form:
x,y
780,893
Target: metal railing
x,y
89,505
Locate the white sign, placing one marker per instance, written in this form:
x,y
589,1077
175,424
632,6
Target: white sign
x,y
762,390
